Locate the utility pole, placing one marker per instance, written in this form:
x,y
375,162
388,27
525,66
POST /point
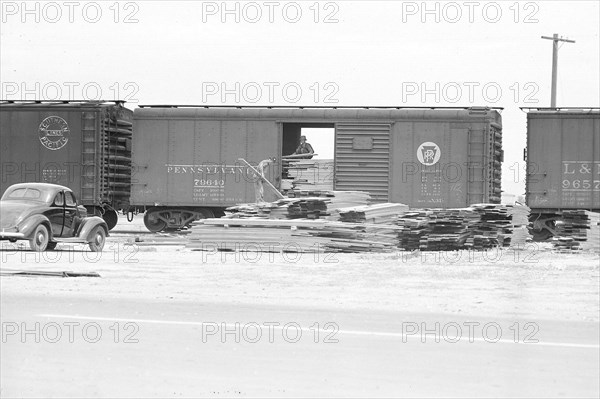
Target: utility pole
x,y
555,40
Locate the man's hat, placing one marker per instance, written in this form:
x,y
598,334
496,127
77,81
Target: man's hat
x,y
302,137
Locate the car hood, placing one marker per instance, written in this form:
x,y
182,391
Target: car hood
x,y
10,211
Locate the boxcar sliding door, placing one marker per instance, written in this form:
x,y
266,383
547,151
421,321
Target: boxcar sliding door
x,y
362,158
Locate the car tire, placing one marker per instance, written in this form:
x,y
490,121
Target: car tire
x,y
98,239
40,239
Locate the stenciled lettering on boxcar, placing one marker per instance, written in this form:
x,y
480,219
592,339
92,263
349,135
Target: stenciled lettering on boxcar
x,y
65,173
209,181
54,132
51,175
581,184
429,154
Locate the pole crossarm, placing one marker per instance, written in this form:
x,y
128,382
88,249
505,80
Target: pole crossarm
x,y
560,39
555,39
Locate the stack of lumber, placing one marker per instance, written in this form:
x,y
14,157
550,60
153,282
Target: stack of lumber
x,y
377,213
285,208
565,243
337,199
302,204
413,226
305,208
258,210
478,227
299,235
313,220
593,234
493,229
311,174
578,230
449,229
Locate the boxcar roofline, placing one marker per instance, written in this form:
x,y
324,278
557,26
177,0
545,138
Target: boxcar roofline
x,y
310,107
60,103
320,115
561,110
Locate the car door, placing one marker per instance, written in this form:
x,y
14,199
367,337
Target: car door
x,y
71,214
56,214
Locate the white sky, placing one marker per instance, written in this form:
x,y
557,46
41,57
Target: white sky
x,y
373,54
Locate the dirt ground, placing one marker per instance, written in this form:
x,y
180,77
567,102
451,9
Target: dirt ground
x,y
168,293
534,282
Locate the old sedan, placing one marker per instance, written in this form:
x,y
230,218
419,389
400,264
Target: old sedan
x,y
46,214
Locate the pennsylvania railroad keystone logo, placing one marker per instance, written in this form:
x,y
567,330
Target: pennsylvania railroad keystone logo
x,y
54,132
429,153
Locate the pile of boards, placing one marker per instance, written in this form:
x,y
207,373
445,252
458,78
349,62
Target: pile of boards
x,y
335,199
494,227
436,229
302,205
478,227
310,174
378,213
297,235
578,230
319,220
309,221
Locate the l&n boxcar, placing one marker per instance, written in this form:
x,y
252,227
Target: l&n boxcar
x,y
563,164
84,145
187,158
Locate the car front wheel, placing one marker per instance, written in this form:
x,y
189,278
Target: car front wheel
x,y
40,239
98,239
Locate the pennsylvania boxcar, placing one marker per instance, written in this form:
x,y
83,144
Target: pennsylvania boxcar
x,y
187,159
563,164
84,145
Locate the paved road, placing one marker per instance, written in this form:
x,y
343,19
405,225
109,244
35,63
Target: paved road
x,y
168,348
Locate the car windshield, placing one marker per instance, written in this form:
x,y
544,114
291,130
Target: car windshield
x,y
31,194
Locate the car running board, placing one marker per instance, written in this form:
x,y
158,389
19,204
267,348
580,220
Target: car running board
x,y
72,240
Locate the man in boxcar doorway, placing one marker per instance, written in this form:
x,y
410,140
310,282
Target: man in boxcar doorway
x,y
304,149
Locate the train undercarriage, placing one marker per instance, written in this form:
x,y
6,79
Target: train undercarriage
x,y
158,219
543,225
110,216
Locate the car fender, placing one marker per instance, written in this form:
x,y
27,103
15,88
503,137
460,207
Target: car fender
x,y
90,223
28,226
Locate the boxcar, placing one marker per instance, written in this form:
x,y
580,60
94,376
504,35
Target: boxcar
x,y
85,146
187,159
563,164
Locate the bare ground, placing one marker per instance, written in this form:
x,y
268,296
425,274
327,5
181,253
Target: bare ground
x,y
534,282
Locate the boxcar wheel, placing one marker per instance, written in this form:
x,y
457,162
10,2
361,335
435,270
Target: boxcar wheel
x,y
40,239
541,235
152,222
111,218
98,239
